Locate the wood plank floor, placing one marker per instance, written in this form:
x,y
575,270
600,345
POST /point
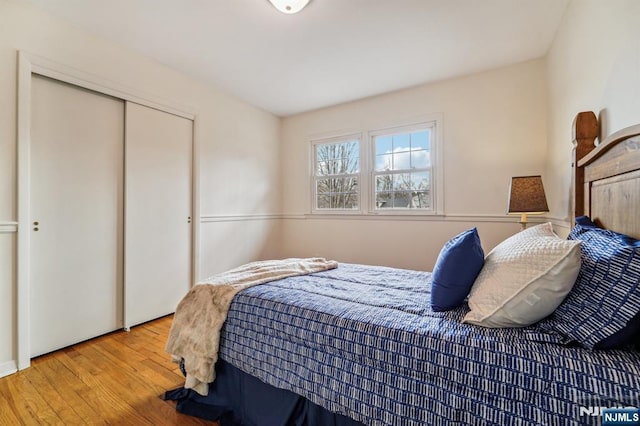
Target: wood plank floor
x,y
116,379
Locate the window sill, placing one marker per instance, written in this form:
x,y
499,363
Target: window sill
x,y
462,217
374,216
335,213
405,212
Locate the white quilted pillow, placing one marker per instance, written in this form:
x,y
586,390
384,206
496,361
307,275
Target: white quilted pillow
x,y
524,279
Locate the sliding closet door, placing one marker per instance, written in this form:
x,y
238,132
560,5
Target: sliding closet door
x,y
76,200
158,148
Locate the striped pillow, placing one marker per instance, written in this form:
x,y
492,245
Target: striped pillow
x,y
606,296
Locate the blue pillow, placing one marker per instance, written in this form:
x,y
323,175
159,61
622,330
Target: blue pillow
x,y
457,267
603,308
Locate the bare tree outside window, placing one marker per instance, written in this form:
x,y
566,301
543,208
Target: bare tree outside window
x,y
406,190
337,169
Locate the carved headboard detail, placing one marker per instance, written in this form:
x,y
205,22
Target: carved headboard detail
x,y
607,177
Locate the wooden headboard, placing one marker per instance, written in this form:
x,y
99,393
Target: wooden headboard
x,y
607,177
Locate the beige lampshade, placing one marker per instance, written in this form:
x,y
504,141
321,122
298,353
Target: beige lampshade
x,y
526,195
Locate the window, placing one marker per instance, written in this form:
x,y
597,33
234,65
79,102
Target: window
x,y
337,174
398,171
402,169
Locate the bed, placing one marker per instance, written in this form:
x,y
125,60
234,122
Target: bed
x,y
362,345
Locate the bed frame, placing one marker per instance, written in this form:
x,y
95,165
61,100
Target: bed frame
x,y
607,176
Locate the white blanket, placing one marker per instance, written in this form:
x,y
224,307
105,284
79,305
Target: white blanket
x,y
195,331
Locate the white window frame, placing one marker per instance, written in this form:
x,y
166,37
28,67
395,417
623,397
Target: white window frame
x,y
366,176
314,177
436,168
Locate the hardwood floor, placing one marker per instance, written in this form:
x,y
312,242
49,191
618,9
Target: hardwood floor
x,y
116,379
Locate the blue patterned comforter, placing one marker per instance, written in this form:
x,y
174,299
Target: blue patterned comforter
x,y
362,341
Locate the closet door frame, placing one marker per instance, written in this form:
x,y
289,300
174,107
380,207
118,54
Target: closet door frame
x,y
28,65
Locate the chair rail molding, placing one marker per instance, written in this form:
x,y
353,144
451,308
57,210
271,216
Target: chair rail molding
x,y
450,217
7,227
207,218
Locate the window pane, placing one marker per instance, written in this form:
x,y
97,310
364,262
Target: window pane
x,y
384,162
322,187
337,193
420,159
402,182
384,145
402,199
322,168
347,165
334,190
349,184
384,183
422,200
401,142
337,158
403,190
350,165
324,202
334,185
406,164
336,167
384,200
353,149
323,152
351,201
420,181
401,160
350,154
420,140
402,151
327,167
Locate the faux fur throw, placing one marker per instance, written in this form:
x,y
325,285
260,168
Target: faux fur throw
x,y
195,331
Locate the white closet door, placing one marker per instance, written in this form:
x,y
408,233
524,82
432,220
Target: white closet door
x,y
158,148
76,199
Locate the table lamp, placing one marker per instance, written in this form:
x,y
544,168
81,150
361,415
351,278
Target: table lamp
x,y
526,196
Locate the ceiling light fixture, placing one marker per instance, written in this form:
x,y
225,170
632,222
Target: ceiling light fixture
x,y
289,6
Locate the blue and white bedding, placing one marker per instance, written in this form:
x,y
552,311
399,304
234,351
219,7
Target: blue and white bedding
x,y
362,341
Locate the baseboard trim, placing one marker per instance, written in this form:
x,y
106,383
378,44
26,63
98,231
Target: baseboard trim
x,y
7,368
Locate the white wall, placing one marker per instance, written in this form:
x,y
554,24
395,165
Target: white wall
x,y
494,127
238,148
593,65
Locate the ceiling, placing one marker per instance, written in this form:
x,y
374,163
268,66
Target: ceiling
x,y
334,51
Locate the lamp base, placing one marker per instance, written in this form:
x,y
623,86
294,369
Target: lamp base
x,y
523,221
